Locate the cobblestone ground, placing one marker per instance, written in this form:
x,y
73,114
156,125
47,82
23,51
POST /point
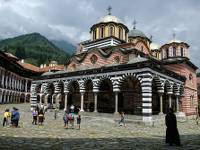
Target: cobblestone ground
x,y
96,133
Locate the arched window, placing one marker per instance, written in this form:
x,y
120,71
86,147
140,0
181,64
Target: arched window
x,y
174,51
101,32
95,34
111,30
181,52
93,59
73,67
120,33
142,48
191,101
117,59
167,52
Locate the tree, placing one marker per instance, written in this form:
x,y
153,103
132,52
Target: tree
x,y
20,52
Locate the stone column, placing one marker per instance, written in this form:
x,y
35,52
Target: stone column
x,y
2,80
66,94
26,86
116,102
82,101
40,98
161,103
0,98
46,99
177,103
170,100
95,101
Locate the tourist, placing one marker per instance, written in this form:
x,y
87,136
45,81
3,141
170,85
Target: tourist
x,y
15,117
172,135
122,121
40,117
65,119
6,116
197,116
71,119
72,108
79,120
35,115
55,112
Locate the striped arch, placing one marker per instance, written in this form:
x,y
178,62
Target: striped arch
x,y
38,87
66,83
181,89
159,86
130,94
95,84
50,88
59,87
176,89
168,87
102,79
132,75
43,88
71,82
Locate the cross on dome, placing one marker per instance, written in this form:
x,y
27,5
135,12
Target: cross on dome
x,y
134,24
109,10
174,35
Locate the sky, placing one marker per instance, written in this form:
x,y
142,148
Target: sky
x,y
71,20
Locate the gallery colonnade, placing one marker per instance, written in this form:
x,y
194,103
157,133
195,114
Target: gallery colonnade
x,y
140,93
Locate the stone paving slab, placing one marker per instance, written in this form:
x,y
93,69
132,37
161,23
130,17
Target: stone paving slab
x,y
96,133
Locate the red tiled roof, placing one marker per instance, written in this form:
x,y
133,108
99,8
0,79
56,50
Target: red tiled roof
x,y
47,68
29,66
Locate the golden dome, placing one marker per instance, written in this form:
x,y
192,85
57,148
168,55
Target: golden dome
x,y
109,18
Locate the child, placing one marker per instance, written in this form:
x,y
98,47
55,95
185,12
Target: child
x,y
6,115
40,117
79,120
35,114
122,119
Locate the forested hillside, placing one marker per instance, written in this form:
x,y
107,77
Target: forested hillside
x,y
34,48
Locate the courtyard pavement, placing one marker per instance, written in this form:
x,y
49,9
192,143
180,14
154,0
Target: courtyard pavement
x,y
96,133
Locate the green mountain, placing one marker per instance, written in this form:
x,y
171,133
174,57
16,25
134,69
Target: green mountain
x,y
65,45
34,48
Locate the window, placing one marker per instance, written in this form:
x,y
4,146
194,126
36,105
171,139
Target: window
x,y
93,59
95,34
191,78
120,33
117,59
73,67
101,32
111,31
142,48
181,52
191,101
174,51
167,52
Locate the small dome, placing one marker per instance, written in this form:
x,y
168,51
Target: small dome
x,y
109,18
47,73
154,46
175,41
136,33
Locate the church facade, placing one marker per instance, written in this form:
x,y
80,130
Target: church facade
x,y
122,70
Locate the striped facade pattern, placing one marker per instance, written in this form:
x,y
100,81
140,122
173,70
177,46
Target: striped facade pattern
x,y
145,76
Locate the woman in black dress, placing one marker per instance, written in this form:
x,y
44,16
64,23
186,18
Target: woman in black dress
x,y
172,135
